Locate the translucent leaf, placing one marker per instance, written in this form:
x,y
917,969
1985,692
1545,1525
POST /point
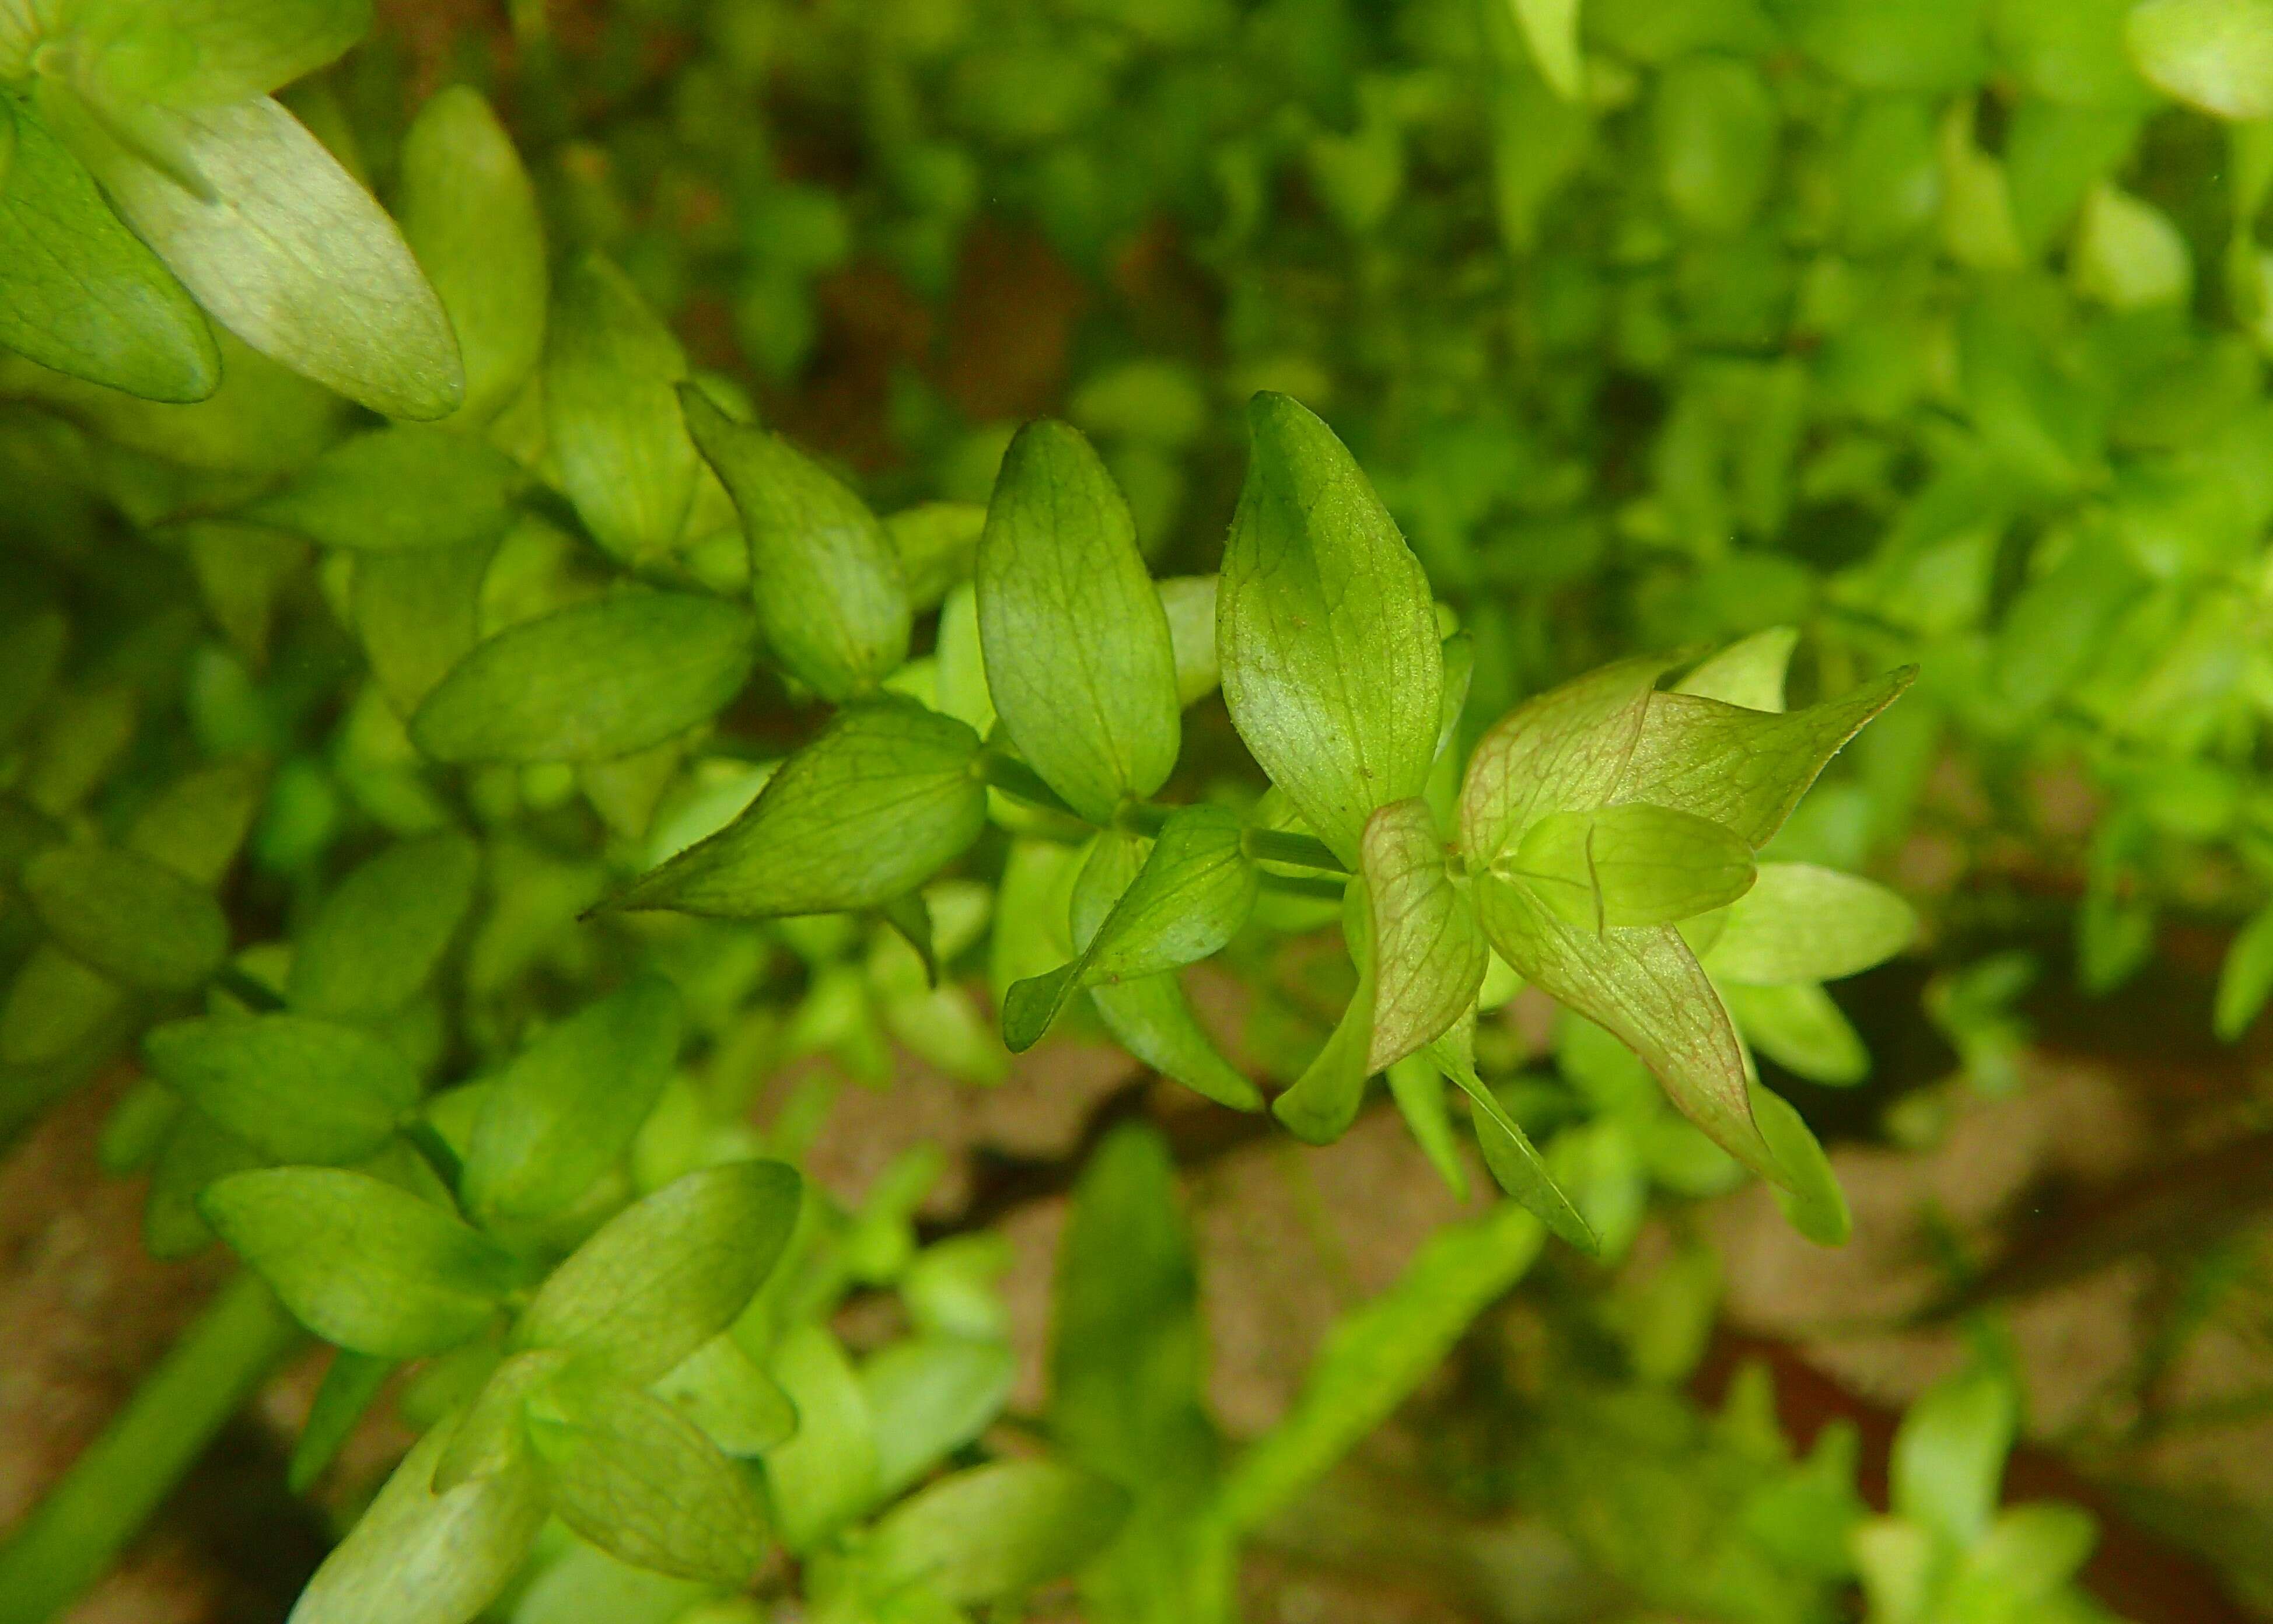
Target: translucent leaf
x,y
378,938
1798,1026
297,1089
470,213
1428,952
397,489
611,375
1803,922
1647,988
1188,602
128,916
191,53
884,799
79,293
1750,673
723,1391
359,1261
668,1273
595,680
928,1397
566,1108
1630,865
416,1557
638,1480
1375,1356
1564,750
996,1531
1318,587
831,595
290,253
1079,654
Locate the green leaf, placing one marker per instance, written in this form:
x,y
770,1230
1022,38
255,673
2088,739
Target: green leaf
x,y
668,1273
375,942
359,1261
296,1089
80,293
1078,654
566,1108
996,1531
197,1152
127,915
1808,1191
884,799
1374,1357
2245,978
830,594
1798,1026
2029,1552
1717,130
1750,673
1428,952
928,1397
416,1557
1630,865
1891,44
1188,602
1323,1101
288,253
1950,1453
1803,922
1515,1163
1645,986
418,614
349,1385
1742,769
1153,1018
1550,28
638,1480
1333,667
826,1475
195,825
191,53
396,489
593,681
724,1391
1418,1088
2216,55
1195,890
937,543
1561,750
470,213
611,376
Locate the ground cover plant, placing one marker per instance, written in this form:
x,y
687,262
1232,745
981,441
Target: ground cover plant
x,y
492,680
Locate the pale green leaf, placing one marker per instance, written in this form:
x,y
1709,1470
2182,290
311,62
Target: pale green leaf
x,y
885,798
668,1273
1078,654
2216,55
1428,952
937,543
1418,1088
2245,978
290,253
831,595
928,1397
193,53
1630,865
470,213
359,1261
1374,1357
1550,28
1803,922
376,940
127,915
565,1111
1808,1191
590,682
724,1391
1561,750
1798,1026
1153,1018
396,489
1750,673
826,1474
1327,631
638,1479
996,1531
79,293
1188,602
1949,1453
195,825
418,614
1323,1101
611,375
416,1557
297,1089
350,1385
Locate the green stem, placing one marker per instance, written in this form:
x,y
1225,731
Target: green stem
x,y
73,1536
1305,884
1307,851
